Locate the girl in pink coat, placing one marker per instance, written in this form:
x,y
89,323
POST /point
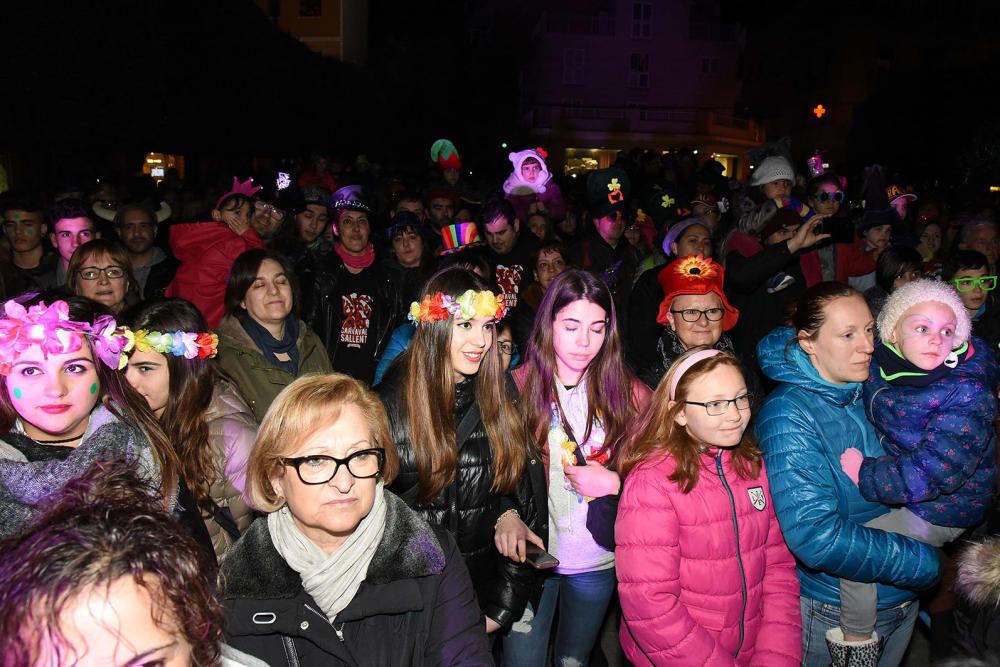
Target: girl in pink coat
x,y
704,575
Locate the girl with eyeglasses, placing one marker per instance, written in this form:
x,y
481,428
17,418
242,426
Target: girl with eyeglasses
x,y
968,272
578,401
704,575
825,195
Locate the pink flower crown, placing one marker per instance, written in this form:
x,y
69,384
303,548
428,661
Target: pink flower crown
x,y
50,328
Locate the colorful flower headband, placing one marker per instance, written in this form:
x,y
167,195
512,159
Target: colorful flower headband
x,y
470,305
50,328
187,344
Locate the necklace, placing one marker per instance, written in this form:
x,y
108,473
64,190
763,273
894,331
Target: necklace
x,y
59,442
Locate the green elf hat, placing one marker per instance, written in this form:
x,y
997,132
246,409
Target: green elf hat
x,y
608,190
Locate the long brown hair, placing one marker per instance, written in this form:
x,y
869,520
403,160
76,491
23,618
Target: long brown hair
x,y
115,393
428,390
659,433
609,382
192,383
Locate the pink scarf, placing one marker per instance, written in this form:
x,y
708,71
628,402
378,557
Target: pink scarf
x,y
362,261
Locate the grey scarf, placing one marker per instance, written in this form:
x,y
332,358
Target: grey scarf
x,y
24,484
332,580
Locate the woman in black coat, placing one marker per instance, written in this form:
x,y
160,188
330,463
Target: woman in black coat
x,y
342,572
468,469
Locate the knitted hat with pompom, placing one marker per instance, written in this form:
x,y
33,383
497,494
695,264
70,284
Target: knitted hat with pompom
x,y
920,291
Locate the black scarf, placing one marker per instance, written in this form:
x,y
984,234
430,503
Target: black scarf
x,y
897,371
271,347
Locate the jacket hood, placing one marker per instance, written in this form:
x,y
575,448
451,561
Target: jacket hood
x,y
979,573
188,241
515,183
787,363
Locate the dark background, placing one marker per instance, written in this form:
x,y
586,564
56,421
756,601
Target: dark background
x,y
94,85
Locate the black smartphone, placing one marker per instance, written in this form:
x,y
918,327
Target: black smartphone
x,y
539,558
841,230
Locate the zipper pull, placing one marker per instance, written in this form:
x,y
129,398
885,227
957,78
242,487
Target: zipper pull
x,y
339,631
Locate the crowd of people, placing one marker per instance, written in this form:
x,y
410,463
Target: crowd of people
x,y
338,417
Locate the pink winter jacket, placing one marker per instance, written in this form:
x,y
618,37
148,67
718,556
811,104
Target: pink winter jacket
x,y
702,583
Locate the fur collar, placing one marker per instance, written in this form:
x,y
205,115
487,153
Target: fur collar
x,y
979,573
409,549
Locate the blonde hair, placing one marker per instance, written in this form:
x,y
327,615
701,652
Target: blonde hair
x,y
306,405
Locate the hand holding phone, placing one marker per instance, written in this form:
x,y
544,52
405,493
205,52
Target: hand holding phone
x,y
540,559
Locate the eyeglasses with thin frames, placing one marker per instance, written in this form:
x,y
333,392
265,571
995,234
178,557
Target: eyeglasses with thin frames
x,y
721,406
320,469
693,314
94,272
507,346
985,283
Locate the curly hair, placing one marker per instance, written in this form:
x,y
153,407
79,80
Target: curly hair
x,y
101,528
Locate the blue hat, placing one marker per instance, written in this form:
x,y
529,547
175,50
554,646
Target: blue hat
x,y
349,198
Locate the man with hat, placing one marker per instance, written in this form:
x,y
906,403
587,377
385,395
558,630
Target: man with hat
x,y
900,199
706,208
360,305
603,251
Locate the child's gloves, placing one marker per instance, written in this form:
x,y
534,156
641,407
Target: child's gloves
x,y
851,461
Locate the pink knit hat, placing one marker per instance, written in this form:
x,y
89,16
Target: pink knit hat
x,y
919,291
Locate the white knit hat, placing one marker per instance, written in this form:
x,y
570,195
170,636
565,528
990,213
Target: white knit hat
x,y
919,291
773,168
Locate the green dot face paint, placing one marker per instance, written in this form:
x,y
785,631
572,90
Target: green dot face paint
x,y
18,394
93,389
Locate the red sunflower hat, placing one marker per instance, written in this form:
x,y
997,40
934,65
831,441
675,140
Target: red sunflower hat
x,y
694,275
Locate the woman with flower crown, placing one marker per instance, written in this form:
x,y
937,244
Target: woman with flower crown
x,y
463,452
63,405
578,400
200,409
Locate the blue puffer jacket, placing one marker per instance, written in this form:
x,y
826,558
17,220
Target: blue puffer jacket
x,y
939,440
804,427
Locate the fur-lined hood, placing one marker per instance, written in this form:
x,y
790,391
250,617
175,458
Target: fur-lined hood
x,y
979,573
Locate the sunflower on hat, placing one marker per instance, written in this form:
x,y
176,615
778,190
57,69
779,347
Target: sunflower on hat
x,y
694,274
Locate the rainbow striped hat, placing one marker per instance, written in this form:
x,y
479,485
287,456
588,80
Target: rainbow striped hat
x,y
459,236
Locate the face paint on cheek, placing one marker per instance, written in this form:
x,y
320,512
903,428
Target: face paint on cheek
x,y
18,394
93,389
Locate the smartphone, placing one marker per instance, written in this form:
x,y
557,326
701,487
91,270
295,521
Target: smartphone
x,y
539,558
841,230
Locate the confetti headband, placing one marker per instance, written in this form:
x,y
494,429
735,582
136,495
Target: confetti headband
x,y
470,305
50,328
686,366
187,344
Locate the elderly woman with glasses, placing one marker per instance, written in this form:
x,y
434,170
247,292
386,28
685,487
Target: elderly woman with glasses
x,y
101,271
341,571
694,312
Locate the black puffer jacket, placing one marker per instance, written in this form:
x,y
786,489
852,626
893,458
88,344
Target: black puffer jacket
x,y
415,607
977,612
503,587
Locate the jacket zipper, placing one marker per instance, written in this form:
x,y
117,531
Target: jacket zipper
x,y
340,632
739,556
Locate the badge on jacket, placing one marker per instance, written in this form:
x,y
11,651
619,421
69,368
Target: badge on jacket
x,y
757,497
